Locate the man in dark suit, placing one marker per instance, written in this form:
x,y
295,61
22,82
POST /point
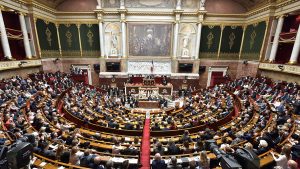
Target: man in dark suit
x,y
87,158
173,164
158,163
173,149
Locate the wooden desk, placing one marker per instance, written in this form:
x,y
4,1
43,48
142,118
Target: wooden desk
x,y
148,104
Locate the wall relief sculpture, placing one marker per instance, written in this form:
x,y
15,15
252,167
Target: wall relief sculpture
x,y
111,3
191,4
148,3
149,39
112,39
187,39
135,67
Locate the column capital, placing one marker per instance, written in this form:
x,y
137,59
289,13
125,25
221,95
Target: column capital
x,y
21,13
222,27
1,7
281,16
244,27
100,20
122,10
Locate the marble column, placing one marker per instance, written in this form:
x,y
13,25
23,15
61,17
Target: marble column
x,y
124,39
276,39
123,25
102,48
175,42
25,36
4,39
198,40
272,32
296,49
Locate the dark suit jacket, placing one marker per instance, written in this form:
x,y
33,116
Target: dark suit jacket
x,y
158,164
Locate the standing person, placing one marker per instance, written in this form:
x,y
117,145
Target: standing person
x,y
283,157
204,160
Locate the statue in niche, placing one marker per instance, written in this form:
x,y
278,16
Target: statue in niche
x,y
185,46
122,4
99,6
202,4
178,5
114,45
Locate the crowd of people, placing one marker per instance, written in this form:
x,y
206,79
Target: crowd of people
x,y
206,107
267,119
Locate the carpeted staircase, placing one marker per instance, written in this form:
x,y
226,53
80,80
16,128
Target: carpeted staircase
x,y
145,148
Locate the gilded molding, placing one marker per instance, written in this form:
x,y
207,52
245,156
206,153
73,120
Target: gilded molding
x,y
261,8
286,68
79,38
220,41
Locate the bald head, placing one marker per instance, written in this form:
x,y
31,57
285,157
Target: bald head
x,y
292,164
157,156
97,160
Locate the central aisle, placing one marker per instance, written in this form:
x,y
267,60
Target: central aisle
x,y
145,149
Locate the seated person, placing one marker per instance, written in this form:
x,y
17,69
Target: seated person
x,y
173,164
158,163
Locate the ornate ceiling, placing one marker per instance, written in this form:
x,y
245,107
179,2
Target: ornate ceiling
x,y
247,4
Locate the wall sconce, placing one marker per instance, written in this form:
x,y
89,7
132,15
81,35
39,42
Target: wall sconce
x,y
245,62
22,63
56,60
281,67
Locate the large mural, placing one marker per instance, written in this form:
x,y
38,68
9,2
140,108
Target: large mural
x,y
149,39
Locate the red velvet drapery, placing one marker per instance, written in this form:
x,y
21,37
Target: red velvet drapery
x,y
284,52
14,32
1,52
289,31
217,78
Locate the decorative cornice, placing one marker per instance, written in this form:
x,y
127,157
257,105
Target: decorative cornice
x,y
285,68
7,65
269,5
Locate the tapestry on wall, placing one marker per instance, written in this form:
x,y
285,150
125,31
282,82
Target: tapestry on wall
x,y
47,37
231,42
253,40
210,39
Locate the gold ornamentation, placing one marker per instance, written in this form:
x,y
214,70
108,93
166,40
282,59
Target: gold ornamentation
x,y
211,26
69,38
89,25
48,34
233,27
67,25
210,38
255,24
231,40
90,36
253,36
46,22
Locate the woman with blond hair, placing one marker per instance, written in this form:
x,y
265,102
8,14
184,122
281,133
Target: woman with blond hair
x,y
74,157
282,159
204,160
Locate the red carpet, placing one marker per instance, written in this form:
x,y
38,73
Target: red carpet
x,y
145,149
